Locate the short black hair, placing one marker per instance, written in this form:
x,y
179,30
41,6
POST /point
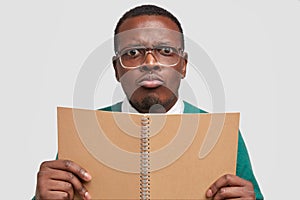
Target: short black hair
x,y
147,10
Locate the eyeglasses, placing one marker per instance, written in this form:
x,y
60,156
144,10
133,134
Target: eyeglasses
x,y
135,56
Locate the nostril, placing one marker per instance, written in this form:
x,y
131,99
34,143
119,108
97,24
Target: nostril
x,y
156,67
144,68
147,68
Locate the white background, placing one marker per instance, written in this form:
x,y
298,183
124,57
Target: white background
x,y
255,46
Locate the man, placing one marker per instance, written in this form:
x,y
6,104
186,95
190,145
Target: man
x,y
149,63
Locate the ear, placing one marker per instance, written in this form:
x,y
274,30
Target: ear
x,y
184,64
115,61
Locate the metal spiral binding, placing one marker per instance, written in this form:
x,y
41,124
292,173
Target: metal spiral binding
x,y
145,160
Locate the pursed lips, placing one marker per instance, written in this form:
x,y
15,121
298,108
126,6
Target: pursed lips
x,y
150,81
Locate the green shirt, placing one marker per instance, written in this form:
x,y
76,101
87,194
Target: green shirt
x,y
243,165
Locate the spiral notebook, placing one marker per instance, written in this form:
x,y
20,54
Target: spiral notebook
x,y
149,156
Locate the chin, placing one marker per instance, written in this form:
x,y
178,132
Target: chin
x,y
143,104
153,103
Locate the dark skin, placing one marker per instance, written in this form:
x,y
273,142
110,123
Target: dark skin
x,y
166,92
61,179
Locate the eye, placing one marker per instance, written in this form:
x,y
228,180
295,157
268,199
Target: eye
x,y
166,51
132,52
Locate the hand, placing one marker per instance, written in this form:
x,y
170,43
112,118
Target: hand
x,y
231,187
60,179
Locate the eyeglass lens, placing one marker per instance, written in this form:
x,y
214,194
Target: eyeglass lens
x,y
165,55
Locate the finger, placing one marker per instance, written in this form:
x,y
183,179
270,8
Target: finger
x,y
58,195
224,181
235,192
69,166
65,176
52,180
62,186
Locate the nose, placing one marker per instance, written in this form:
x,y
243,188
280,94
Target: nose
x,y
150,58
150,62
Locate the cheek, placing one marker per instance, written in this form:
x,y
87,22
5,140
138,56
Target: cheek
x,y
128,82
173,81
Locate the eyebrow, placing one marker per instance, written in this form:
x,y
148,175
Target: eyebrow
x,y
153,45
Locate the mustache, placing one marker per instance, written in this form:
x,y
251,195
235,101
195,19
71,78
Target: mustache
x,y
150,77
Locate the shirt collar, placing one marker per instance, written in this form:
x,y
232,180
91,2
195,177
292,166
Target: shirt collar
x,y
176,109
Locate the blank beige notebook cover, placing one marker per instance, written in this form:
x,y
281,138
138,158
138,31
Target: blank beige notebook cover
x,y
151,156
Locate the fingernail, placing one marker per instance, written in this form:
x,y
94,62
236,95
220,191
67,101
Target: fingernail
x,y
87,196
87,176
209,193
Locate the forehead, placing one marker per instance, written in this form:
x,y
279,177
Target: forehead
x,y
148,31
148,21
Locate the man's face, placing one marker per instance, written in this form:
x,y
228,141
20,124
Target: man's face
x,y
151,86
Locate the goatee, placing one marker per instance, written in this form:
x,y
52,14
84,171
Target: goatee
x,y
149,104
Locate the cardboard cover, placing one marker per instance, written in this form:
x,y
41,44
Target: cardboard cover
x,y
188,152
